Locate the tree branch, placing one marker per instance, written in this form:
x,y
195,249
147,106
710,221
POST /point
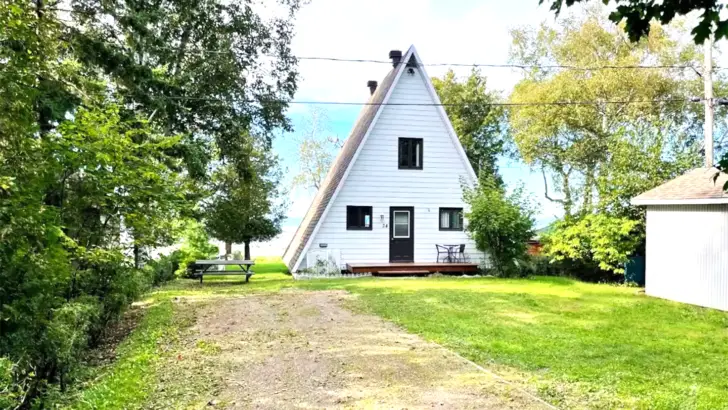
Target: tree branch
x,y
546,189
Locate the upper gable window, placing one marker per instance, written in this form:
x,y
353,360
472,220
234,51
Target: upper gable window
x,y
410,153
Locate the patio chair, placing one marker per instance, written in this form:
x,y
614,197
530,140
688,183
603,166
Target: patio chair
x,y
443,253
461,257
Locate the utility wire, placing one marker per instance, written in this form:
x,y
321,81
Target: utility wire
x,y
127,93
472,65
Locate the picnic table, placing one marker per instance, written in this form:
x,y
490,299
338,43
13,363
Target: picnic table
x,y
202,268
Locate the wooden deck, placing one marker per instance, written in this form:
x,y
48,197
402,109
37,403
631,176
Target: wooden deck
x,y
411,268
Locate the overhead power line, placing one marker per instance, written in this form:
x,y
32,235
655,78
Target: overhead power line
x,y
395,104
128,93
521,66
471,65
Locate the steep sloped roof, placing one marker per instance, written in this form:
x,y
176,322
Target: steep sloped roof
x,y
338,168
699,186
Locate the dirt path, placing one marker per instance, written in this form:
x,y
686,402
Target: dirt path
x,y
304,350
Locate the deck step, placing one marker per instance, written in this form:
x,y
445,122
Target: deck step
x,y
403,272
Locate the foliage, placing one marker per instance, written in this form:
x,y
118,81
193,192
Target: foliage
x,y
165,267
110,117
630,137
478,124
500,224
248,209
316,152
607,240
160,54
578,144
639,14
196,245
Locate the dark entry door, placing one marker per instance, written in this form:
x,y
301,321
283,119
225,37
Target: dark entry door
x,y
401,234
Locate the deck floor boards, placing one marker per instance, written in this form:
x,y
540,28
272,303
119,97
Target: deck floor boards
x,y
411,268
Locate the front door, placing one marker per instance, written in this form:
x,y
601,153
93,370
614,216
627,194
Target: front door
x,y
401,234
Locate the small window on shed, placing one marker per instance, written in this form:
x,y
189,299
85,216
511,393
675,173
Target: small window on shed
x,y
358,218
410,153
451,219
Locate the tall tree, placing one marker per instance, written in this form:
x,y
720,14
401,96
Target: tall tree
x,y
245,210
639,14
477,122
622,131
317,149
578,143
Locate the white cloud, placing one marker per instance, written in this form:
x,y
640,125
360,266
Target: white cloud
x,y
442,32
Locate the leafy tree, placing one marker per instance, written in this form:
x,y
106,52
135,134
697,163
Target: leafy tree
x,y
478,124
574,143
499,223
250,209
639,14
316,151
628,137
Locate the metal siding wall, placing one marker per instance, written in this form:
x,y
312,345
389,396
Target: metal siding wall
x,y
687,254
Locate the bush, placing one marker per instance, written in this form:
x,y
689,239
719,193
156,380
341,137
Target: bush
x,y
590,272
500,225
595,242
164,268
196,245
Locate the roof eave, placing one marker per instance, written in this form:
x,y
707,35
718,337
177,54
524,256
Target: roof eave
x,y
694,201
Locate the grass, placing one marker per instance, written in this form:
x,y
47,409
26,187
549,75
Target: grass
x,y
264,264
576,345
131,379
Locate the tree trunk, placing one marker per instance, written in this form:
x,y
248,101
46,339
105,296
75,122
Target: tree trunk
x,y
228,249
137,257
247,250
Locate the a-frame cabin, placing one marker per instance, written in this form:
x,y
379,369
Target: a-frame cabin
x,y
394,191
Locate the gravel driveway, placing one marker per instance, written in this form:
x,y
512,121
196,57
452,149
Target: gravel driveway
x,y
306,350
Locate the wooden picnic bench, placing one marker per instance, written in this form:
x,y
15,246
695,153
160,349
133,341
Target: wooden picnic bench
x,y
202,268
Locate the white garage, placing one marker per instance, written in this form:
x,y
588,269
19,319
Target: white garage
x,y
687,239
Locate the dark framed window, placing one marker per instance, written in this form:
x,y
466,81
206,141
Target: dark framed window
x,y
451,219
359,218
410,153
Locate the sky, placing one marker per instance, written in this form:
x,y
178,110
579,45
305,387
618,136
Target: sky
x,y
443,31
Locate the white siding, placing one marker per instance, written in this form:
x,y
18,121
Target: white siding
x,y
687,254
376,181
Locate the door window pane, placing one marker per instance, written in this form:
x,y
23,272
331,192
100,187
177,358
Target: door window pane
x,y
401,224
401,231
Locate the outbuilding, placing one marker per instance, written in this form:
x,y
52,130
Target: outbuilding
x,y
687,239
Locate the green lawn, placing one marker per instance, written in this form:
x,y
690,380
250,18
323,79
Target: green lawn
x,y
576,345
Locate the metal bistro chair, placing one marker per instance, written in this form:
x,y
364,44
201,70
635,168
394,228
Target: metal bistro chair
x,y
461,257
443,253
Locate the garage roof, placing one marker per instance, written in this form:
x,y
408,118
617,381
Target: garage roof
x,y
699,186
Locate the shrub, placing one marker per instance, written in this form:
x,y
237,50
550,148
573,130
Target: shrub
x,y
163,268
500,225
598,241
196,245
